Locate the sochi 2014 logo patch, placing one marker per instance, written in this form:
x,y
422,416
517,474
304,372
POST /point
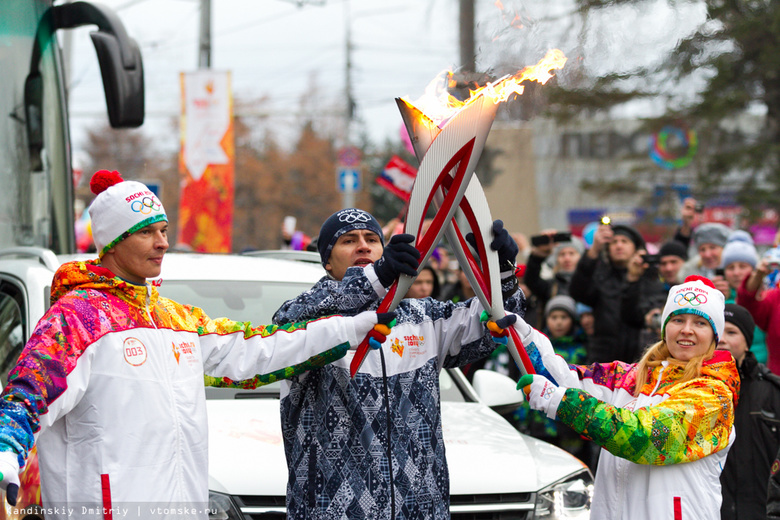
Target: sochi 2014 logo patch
x,y
134,351
186,350
414,344
397,347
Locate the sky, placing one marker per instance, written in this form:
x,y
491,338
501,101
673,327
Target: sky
x,y
287,51
279,50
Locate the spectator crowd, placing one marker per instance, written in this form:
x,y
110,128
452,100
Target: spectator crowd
x,y
601,300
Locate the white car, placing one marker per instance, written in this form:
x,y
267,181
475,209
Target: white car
x,y
495,471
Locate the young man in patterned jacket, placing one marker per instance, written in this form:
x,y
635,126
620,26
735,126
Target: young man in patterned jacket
x,y
346,458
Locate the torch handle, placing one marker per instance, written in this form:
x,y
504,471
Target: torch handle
x,y
360,356
386,305
526,366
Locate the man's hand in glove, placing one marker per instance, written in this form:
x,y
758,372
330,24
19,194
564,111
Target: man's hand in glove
x,y
541,394
502,243
399,257
9,475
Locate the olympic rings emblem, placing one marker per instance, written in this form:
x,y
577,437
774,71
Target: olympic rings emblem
x,y
350,217
145,205
691,299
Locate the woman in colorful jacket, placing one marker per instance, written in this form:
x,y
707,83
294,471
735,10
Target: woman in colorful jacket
x,y
110,385
665,423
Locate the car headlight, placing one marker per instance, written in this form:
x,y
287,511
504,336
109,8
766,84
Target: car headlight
x,y
566,499
222,507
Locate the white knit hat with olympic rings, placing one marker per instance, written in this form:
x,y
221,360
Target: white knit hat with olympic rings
x,y
120,209
696,295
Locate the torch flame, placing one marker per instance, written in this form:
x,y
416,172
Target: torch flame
x,y
439,105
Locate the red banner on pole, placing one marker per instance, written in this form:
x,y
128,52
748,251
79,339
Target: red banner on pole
x,y
398,177
206,162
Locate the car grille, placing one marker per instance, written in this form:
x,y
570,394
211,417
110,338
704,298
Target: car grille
x,y
258,507
503,506
498,506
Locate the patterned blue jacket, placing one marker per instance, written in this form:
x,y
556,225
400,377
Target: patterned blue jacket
x,y
335,428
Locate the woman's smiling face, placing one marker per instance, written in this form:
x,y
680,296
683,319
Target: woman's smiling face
x,y
688,336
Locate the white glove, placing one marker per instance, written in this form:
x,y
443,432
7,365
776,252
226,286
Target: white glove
x,y
541,393
9,469
375,324
529,335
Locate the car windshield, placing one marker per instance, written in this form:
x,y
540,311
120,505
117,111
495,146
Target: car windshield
x,y
256,301
244,300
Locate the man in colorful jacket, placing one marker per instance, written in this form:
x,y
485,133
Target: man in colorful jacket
x,y
372,446
110,385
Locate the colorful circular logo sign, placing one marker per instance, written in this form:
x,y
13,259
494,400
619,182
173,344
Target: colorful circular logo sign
x,y
673,147
134,351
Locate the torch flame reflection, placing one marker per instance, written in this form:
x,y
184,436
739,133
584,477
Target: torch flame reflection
x,y
439,105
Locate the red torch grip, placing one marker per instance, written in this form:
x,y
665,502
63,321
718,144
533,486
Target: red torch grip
x,y
360,355
527,365
363,348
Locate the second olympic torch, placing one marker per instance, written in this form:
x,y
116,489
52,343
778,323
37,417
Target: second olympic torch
x,y
448,156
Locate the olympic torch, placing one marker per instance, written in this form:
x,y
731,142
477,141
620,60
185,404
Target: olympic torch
x,y
448,155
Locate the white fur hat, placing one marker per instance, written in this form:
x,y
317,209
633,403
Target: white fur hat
x,y
696,295
120,209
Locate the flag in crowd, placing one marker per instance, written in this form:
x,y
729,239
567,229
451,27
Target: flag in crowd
x,y
398,177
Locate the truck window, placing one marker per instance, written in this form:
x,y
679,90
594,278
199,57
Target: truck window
x,y
35,206
12,334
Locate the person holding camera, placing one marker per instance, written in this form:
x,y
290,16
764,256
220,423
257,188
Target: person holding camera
x,y
641,304
764,306
688,210
599,280
565,252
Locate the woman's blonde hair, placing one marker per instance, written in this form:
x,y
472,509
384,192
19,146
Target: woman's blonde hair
x,y
659,352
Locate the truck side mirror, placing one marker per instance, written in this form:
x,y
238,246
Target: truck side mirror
x,y
124,87
120,62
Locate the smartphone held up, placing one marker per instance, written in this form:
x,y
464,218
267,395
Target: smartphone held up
x,y
550,238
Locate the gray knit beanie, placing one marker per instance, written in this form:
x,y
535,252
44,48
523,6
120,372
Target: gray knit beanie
x,y
711,233
561,302
575,243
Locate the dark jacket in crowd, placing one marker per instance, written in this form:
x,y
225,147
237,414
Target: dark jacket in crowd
x,y
600,285
638,299
757,424
773,491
